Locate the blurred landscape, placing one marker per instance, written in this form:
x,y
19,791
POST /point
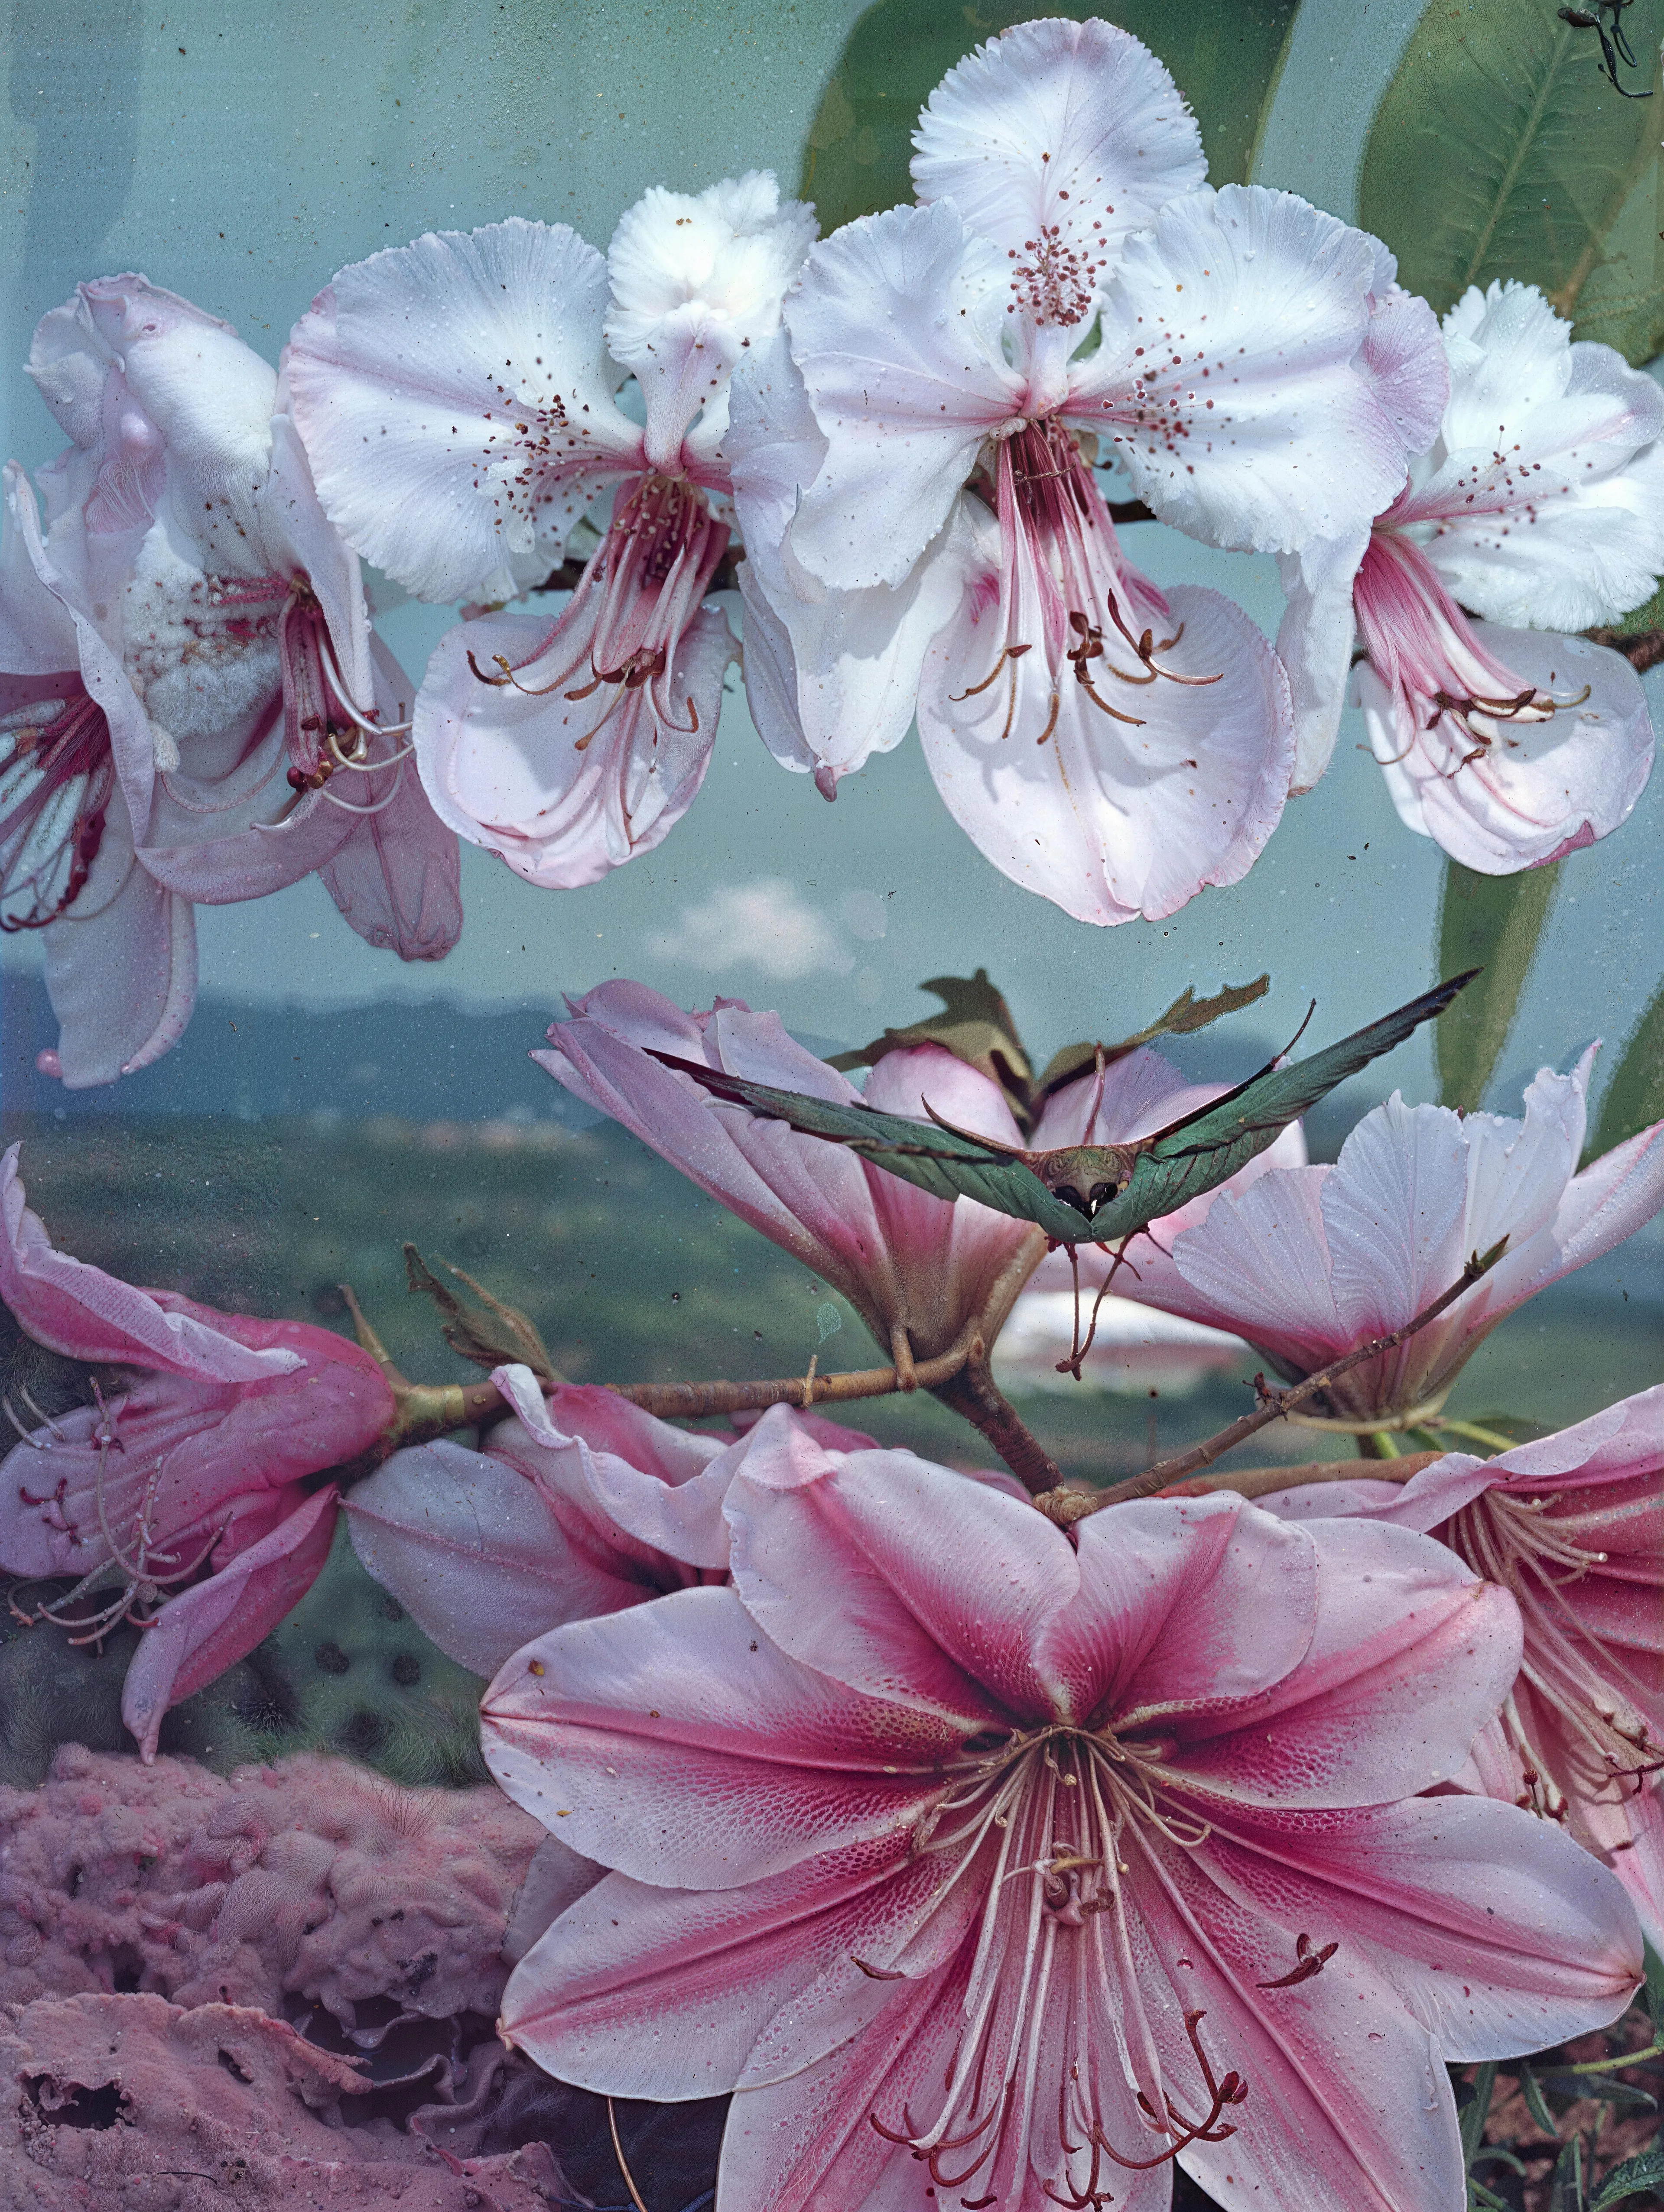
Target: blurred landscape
x,y
633,1275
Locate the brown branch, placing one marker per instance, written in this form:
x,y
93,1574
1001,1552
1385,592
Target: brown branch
x,y
974,1393
693,1401
1068,1506
1261,1481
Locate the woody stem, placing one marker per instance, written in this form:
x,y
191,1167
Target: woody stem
x,y
973,1391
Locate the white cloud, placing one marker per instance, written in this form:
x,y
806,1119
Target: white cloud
x,y
764,925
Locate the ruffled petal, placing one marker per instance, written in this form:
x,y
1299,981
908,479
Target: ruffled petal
x,y
1108,820
1548,500
896,329
1227,376
1314,644
456,399
1538,789
831,675
696,280
1070,132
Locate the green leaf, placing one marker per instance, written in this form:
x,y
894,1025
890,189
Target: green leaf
x,y
1473,2107
975,1025
1635,1097
1492,922
1531,2090
1624,2094
1501,150
1186,1013
1223,54
1629,2179
1566,2189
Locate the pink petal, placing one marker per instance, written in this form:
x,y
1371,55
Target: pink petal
x,y
209,1628
396,879
859,1567
713,1969
1182,1611
466,1543
121,968
1412,1655
678,1744
1106,820
81,1310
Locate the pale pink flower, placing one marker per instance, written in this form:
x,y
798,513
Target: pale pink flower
x,y
1574,1526
1312,1261
458,398
581,1504
918,1269
912,468
188,669
976,1858
1539,506
196,1464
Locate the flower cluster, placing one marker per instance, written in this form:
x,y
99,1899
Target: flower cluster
x,y
899,443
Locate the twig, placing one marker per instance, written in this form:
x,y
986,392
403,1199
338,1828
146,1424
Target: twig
x,y
1261,1481
1067,1506
693,1401
617,2153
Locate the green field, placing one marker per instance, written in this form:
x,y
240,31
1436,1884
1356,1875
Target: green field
x,y
633,1276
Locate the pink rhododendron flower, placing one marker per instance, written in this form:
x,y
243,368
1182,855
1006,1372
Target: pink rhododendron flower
x,y
912,471
187,629
581,1504
982,1862
458,397
196,1464
918,1269
1574,1526
1539,506
1312,1261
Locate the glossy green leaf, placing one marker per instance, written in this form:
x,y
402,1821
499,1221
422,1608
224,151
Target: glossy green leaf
x,y
1501,150
1635,2175
1635,1097
1223,54
1494,923
1536,2104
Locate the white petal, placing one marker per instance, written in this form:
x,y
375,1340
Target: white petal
x,y
504,769
1540,789
448,390
833,676
1314,644
696,282
37,635
1073,132
1548,496
1228,375
1109,821
122,978
896,327
1402,355
211,397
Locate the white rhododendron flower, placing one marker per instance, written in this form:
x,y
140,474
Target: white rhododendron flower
x,y
1540,509
913,465
459,397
